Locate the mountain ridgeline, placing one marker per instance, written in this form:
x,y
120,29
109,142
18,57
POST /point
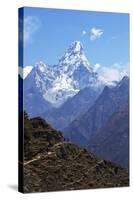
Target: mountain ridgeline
x,y
112,141
52,164
56,84
73,108
111,107
73,99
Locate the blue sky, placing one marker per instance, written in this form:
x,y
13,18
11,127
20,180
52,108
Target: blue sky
x,y
49,32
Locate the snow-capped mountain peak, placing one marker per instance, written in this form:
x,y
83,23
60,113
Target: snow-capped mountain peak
x,y
75,56
25,71
75,47
59,82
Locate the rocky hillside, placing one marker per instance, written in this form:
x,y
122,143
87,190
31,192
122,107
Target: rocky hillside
x,y
53,164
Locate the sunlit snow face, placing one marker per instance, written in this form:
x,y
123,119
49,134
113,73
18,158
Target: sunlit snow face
x,y
74,56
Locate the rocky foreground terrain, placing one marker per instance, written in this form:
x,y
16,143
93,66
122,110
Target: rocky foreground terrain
x,y
53,164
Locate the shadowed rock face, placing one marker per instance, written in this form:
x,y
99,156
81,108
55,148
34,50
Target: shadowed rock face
x,y
98,115
73,108
53,164
112,141
34,103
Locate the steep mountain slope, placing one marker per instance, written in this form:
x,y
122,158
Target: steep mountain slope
x,y
74,107
34,103
98,115
52,164
112,141
59,82
31,100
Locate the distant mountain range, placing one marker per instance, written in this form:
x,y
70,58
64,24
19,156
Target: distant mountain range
x,y
50,91
72,98
53,164
88,128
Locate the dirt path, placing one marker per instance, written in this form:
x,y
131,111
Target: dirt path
x,y
36,158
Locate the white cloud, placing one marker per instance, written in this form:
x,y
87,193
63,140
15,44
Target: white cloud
x,y
84,32
116,72
109,75
31,25
95,33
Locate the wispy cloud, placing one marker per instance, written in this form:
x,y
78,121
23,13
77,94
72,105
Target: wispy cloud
x,y
95,33
31,25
